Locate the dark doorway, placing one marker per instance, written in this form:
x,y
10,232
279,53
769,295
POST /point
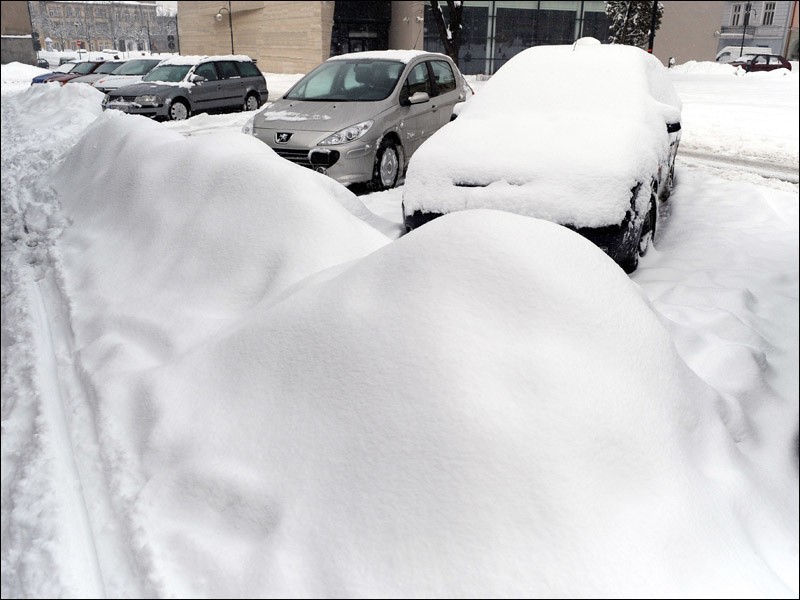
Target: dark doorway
x,y
360,26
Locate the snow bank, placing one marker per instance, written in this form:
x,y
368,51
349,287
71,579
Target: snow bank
x,y
212,223
487,407
695,67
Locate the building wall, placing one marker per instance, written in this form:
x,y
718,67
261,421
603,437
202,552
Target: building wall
x,y
406,31
687,31
16,44
283,37
791,49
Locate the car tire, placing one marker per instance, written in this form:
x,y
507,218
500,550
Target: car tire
x,y
251,102
387,168
178,111
644,240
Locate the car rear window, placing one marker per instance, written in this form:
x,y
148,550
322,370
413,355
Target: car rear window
x,y
227,69
443,75
248,69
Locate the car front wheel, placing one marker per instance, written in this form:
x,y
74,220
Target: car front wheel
x,y
179,111
386,171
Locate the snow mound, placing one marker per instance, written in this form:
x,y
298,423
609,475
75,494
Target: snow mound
x,y
197,230
486,407
695,67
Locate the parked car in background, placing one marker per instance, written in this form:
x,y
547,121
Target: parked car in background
x,y
43,63
360,117
131,72
184,85
731,53
107,68
583,135
61,69
761,62
84,68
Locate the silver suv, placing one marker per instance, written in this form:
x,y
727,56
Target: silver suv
x,y
359,117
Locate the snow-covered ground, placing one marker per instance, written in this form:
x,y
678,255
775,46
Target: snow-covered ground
x,y
223,376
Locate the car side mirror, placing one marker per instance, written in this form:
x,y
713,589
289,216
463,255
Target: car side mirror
x,y
419,98
197,78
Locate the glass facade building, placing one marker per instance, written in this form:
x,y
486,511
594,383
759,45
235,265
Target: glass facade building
x,y
493,32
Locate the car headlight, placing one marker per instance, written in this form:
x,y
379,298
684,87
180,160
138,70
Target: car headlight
x,y
247,129
348,134
148,99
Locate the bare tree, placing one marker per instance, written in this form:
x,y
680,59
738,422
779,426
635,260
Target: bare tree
x,y
450,28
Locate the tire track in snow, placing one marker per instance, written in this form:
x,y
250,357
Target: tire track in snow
x,y
763,168
79,536
107,529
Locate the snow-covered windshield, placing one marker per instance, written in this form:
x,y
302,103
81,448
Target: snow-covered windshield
x,y
168,73
348,81
137,67
109,67
83,68
65,68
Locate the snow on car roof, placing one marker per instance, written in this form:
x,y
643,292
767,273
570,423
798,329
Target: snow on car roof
x,y
193,60
404,56
561,133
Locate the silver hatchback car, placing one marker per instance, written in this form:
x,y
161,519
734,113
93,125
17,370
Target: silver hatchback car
x,y
360,117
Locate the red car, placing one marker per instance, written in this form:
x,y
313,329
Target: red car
x,y
761,62
82,68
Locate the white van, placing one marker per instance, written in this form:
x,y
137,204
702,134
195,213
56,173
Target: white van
x,y
731,53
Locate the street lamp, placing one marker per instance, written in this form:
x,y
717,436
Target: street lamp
x,y
218,17
747,9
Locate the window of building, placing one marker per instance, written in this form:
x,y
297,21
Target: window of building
x,y
53,11
769,13
736,14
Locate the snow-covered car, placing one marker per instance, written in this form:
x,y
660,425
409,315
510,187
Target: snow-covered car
x,y
184,85
131,72
583,135
359,117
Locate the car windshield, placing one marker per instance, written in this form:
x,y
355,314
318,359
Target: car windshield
x,y
108,67
83,68
168,73
136,67
65,68
348,81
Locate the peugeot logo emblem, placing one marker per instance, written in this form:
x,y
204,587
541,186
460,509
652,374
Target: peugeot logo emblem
x,y
281,137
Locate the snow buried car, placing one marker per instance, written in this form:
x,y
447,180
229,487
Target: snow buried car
x,y
583,135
